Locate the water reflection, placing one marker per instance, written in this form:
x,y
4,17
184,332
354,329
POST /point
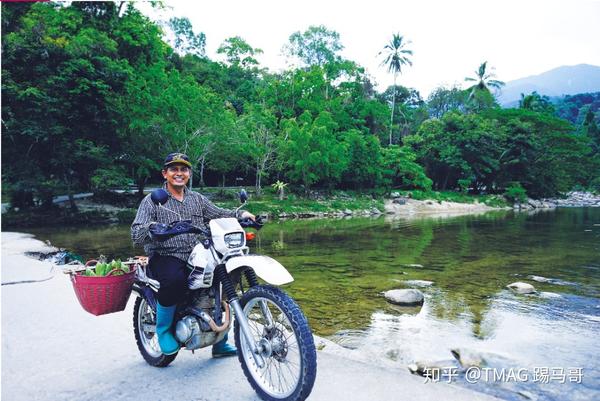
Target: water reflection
x,y
341,268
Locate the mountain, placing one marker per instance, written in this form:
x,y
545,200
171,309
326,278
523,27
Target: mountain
x,y
565,80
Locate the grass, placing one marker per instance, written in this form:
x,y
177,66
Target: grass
x,y
269,203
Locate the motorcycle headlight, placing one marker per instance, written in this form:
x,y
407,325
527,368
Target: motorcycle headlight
x,y
234,240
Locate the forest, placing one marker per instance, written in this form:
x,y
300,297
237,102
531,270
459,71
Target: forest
x,y
94,96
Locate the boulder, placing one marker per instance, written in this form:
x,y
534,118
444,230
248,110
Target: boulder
x,y
468,358
540,279
521,288
406,297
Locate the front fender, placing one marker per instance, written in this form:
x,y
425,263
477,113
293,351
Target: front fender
x,y
265,267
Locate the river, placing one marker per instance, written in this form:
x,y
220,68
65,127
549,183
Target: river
x,y
533,343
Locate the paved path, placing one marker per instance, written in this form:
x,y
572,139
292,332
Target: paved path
x,y
53,350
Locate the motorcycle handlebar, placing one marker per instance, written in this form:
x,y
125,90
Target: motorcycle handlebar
x,y
249,223
162,231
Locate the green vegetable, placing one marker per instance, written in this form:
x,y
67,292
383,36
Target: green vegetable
x,y
102,269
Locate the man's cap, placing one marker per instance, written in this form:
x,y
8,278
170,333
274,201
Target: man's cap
x,y
173,158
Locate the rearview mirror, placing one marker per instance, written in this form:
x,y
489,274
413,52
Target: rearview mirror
x,y
243,195
159,196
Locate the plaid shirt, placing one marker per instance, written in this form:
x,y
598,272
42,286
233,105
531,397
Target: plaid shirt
x,y
194,207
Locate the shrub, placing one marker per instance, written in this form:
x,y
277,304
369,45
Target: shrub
x,y
515,192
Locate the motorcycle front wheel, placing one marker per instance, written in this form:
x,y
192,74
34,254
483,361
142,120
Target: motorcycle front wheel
x,y
281,331
144,329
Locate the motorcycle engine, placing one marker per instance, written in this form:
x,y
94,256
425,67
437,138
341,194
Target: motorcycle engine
x,y
193,329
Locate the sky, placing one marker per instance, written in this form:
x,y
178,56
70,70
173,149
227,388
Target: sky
x,y
449,39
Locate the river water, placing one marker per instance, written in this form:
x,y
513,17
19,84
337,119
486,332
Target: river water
x,y
543,346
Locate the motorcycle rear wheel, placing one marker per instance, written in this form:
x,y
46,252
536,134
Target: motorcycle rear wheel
x,y
288,347
144,329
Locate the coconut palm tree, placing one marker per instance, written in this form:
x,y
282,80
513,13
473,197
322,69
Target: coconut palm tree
x,y
396,56
483,80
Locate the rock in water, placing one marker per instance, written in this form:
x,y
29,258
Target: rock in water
x,y
405,297
540,279
468,358
521,288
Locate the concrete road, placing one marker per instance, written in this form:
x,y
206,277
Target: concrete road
x,y
53,350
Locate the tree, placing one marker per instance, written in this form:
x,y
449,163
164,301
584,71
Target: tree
x,y
535,102
409,107
459,147
541,152
442,100
311,154
260,129
480,95
396,56
364,160
400,169
315,46
61,74
186,41
238,52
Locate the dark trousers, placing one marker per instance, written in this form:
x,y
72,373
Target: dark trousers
x,y
172,275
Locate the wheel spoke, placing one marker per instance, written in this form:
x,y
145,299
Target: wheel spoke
x,y
269,322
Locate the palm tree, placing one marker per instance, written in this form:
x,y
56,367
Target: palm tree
x,y
483,80
396,55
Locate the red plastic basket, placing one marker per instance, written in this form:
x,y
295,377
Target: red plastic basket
x,y
102,295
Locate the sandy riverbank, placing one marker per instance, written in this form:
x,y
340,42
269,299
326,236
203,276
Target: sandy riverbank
x,y
53,350
412,208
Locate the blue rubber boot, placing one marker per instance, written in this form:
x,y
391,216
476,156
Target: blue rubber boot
x,y
164,320
222,349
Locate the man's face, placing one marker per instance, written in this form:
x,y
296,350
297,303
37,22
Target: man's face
x,y
177,175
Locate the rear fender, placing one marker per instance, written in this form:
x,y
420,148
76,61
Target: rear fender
x,y
265,267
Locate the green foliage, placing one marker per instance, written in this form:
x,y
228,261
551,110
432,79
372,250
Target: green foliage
x,y
238,52
102,269
395,55
515,193
535,102
93,98
186,41
443,100
400,169
109,178
311,153
459,147
480,94
500,146
280,186
364,160
574,108
315,46
541,152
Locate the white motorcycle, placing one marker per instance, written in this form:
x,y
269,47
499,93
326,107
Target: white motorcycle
x,y
274,341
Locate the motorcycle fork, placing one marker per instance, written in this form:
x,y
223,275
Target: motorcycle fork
x,y
234,301
253,281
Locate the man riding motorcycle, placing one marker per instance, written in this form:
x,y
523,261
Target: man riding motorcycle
x,y
168,258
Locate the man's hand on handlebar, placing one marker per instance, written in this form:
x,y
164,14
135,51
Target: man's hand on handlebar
x,y
248,215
